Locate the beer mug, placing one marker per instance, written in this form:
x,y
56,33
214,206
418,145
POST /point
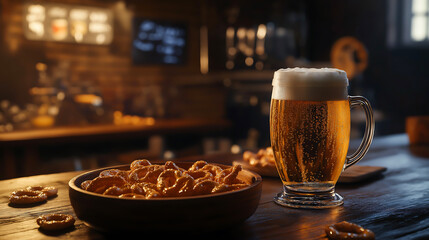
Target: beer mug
x,y
310,134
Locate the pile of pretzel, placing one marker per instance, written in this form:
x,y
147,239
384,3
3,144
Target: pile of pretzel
x,y
348,230
32,194
39,194
264,158
144,180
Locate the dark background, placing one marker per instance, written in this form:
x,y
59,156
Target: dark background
x,y
396,80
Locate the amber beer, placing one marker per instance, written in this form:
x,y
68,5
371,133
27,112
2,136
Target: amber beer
x,y
310,140
310,132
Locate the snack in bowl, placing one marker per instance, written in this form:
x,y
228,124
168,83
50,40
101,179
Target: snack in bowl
x,y
146,180
140,209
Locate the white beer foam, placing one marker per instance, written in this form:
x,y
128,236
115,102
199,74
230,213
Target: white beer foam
x,y
314,84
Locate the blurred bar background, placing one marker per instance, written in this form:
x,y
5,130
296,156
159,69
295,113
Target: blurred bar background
x,y
86,84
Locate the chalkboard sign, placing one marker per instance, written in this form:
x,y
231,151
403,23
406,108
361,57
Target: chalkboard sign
x,y
159,42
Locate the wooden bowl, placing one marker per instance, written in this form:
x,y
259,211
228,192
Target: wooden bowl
x,y
201,213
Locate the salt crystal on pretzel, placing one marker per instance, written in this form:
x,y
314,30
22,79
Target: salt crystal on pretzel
x,y
229,175
100,184
145,180
24,196
48,190
263,158
139,163
182,187
200,175
55,221
197,165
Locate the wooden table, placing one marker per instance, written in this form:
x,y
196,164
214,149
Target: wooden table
x,y
394,205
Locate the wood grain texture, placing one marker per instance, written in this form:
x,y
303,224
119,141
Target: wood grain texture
x,y
394,205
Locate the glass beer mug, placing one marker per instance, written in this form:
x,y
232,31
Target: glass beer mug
x,y
310,134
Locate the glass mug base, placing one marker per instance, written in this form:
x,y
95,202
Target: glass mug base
x,y
308,200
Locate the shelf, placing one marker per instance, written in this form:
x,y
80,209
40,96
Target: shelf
x,y
109,131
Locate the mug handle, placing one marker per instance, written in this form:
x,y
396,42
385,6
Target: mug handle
x,y
369,130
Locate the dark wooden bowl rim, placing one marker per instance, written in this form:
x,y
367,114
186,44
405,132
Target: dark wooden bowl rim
x,y
256,179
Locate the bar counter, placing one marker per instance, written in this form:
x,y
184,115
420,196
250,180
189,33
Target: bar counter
x,y
29,141
394,205
98,132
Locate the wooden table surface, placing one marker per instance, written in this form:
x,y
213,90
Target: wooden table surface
x,y
394,205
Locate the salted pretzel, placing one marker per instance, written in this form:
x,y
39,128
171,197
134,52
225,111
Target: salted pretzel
x,y
139,174
213,169
205,187
172,165
200,175
168,178
197,165
229,176
139,163
24,196
48,190
225,188
145,180
115,172
84,185
183,186
347,230
263,158
150,190
152,176
101,184
116,191
55,221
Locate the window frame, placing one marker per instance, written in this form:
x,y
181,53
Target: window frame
x,y
399,17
